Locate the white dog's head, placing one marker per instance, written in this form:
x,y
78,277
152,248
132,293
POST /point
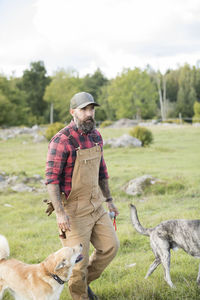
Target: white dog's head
x,y
62,262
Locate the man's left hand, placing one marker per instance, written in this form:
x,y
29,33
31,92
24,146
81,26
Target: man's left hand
x,y
112,208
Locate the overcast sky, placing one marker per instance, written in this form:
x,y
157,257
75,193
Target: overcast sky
x,y
106,34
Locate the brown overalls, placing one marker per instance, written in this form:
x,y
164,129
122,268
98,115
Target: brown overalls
x,y
89,222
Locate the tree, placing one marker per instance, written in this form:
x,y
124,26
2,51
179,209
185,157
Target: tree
x,y
12,103
34,81
133,95
94,84
196,75
63,86
172,85
5,108
186,93
106,111
196,117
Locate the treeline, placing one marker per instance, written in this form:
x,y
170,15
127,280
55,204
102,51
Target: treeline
x,y
36,98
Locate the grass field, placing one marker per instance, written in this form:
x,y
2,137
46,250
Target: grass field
x,y
174,157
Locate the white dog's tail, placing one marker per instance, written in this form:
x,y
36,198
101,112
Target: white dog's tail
x,y
136,222
4,247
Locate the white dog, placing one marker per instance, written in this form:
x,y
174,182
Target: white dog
x,y
44,281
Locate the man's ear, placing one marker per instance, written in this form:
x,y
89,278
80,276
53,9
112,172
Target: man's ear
x,y
61,265
71,111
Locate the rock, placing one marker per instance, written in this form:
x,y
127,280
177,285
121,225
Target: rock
x,y
130,266
137,185
38,138
12,132
8,205
21,187
3,185
36,178
2,178
18,184
124,141
196,124
124,123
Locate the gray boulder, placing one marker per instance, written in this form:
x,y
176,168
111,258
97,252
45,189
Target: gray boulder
x,y
123,141
136,186
124,123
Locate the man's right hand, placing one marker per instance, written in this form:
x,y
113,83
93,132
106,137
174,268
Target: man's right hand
x,y
61,216
63,222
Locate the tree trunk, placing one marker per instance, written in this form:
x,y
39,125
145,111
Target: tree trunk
x,y
51,113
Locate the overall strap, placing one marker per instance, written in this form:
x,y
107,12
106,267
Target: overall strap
x,y
95,138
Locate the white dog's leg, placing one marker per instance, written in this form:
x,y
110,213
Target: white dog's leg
x,y
198,277
153,266
1,291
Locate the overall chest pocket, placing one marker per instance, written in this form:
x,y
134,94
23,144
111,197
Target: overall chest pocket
x,y
89,171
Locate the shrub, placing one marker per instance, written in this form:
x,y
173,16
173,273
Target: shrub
x,y
143,134
106,123
53,129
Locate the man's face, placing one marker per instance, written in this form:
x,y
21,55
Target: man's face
x,y
84,118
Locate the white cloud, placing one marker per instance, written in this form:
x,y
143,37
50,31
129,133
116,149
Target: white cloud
x,y
110,34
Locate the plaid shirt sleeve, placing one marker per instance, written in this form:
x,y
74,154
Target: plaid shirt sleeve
x,y
56,160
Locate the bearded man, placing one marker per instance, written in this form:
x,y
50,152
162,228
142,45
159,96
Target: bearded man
x,y
77,183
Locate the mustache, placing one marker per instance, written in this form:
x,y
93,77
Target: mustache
x,y
89,119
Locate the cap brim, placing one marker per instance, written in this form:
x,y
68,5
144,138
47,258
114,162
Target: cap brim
x,y
86,104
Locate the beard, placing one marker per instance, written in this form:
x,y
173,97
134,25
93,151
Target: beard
x,y
87,126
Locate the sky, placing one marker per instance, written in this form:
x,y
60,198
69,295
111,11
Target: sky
x,y
84,35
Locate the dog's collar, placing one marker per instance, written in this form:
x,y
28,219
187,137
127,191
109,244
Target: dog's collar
x,y
57,278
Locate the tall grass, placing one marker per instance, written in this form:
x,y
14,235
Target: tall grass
x,y
173,158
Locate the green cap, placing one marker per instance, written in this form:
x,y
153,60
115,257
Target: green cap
x,y
81,100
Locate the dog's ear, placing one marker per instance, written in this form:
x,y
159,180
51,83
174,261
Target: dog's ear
x,y
62,264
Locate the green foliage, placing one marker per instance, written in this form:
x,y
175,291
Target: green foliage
x,y
106,110
5,108
14,110
172,85
92,83
186,94
63,86
53,129
33,83
143,134
196,117
132,94
105,123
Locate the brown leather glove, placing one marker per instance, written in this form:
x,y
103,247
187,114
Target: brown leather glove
x,y
50,207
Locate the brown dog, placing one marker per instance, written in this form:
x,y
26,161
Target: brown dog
x,y
44,281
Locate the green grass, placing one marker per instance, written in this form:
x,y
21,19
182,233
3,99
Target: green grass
x,y
174,158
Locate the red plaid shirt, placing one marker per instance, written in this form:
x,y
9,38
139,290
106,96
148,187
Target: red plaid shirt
x,y
61,155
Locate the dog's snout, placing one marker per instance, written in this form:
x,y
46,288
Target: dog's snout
x,y
81,245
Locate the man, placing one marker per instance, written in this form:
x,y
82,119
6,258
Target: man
x,y
77,182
